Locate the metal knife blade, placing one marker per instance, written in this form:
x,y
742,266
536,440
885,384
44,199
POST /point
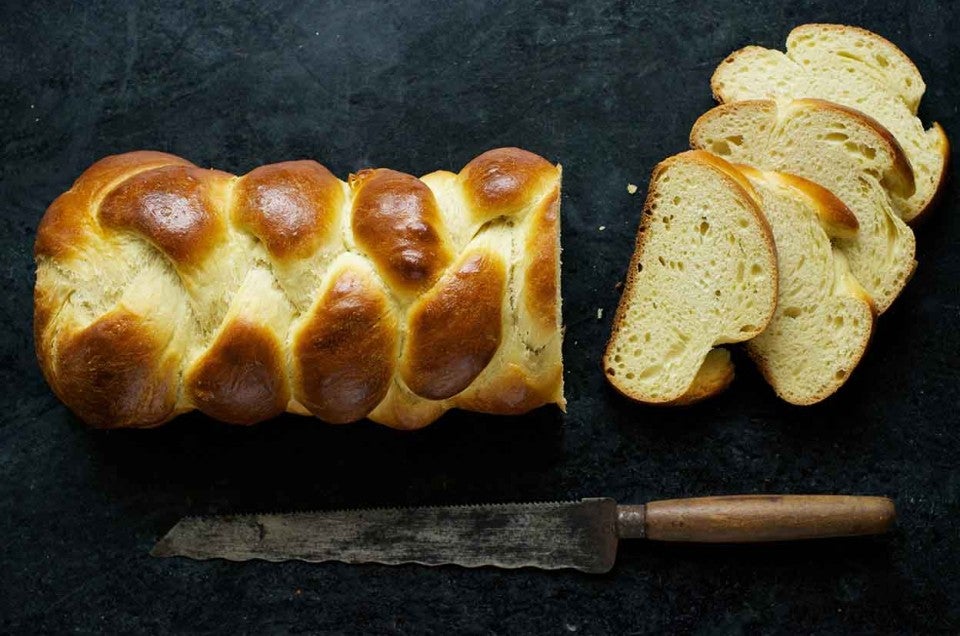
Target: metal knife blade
x,y
576,534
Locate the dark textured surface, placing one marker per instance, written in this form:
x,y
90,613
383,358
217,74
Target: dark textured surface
x,y
606,88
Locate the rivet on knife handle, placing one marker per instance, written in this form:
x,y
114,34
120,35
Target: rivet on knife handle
x,y
756,518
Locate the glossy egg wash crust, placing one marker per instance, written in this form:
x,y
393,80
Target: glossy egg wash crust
x,y
163,288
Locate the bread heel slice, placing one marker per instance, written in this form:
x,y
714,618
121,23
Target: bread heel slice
x,y
703,273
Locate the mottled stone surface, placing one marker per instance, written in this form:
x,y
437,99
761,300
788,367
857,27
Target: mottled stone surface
x,y
605,88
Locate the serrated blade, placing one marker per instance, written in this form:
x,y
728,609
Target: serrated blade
x,y
576,534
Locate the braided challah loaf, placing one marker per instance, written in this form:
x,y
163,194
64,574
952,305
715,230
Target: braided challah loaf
x,y
163,287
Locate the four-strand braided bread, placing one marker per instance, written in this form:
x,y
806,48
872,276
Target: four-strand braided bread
x,y
163,287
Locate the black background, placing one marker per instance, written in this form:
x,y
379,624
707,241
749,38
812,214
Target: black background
x,y
605,88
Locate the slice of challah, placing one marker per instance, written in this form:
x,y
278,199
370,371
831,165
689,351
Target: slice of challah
x,y
855,68
840,149
704,273
824,318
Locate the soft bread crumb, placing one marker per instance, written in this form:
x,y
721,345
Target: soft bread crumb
x,y
703,274
823,320
854,68
855,160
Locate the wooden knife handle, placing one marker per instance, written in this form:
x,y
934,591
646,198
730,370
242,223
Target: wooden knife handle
x,y
755,518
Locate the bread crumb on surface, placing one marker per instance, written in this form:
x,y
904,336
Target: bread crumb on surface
x,y
632,189
599,313
602,228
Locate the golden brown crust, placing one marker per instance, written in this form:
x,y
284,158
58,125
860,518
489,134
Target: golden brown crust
x,y
112,322
439,358
240,378
118,373
68,218
512,392
344,354
405,411
504,181
397,223
169,207
293,207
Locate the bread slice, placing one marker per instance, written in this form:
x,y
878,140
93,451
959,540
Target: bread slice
x,y
824,318
704,273
840,149
855,68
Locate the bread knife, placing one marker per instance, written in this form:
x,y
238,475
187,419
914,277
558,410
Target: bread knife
x,y
582,535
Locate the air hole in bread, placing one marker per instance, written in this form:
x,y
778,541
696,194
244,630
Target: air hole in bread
x,y
651,371
721,148
704,227
676,200
836,136
674,351
756,270
662,262
882,61
610,371
841,374
860,149
849,56
742,222
791,312
748,328
639,267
